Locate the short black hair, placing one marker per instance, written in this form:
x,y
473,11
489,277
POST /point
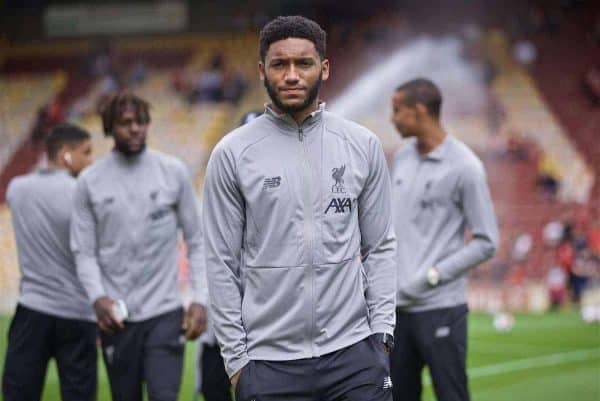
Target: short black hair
x,y
117,104
424,91
64,134
295,26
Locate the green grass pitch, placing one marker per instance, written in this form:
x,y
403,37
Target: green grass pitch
x,y
550,357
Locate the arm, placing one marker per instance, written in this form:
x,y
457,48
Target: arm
x,y
83,242
189,221
84,247
224,222
378,242
480,217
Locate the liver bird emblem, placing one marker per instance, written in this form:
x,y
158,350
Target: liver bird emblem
x,y
337,173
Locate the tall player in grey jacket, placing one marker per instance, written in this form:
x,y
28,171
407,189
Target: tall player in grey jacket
x,y
300,249
53,318
128,208
440,191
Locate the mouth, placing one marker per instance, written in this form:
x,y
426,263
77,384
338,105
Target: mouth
x,y
293,91
136,143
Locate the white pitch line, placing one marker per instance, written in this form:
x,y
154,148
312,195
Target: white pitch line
x,y
529,363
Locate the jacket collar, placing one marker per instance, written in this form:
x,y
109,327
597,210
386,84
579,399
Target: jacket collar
x,y
439,152
289,125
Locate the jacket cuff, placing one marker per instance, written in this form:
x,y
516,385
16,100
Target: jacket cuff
x,y
234,366
382,328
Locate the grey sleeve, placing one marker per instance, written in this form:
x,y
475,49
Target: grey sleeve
x,y
83,242
378,242
9,191
479,213
224,222
189,221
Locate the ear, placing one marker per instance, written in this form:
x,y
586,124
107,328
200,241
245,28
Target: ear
x,y
61,157
261,70
422,112
68,158
325,69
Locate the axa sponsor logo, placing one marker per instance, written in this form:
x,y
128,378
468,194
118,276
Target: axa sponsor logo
x,y
339,205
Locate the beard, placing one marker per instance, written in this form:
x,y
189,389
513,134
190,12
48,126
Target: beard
x,y
313,92
123,147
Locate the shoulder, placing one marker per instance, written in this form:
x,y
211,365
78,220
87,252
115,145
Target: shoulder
x,y
166,159
96,169
464,158
172,165
362,140
347,129
405,151
240,139
17,185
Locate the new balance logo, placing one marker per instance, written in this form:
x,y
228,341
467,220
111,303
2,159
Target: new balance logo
x,y
271,182
387,383
443,331
340,205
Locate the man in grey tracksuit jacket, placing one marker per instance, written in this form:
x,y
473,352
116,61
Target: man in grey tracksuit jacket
x,y
53,318
306,210
128,209
439,190
300,249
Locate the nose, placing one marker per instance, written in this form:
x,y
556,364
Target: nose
x,y
134,127
291,74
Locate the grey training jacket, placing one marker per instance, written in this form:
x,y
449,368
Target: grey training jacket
x,y
294,208
41,204
437,197
127,212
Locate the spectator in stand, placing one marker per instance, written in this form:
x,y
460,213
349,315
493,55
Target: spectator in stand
x,y
522,247
55,112
547,180
553,233
557,286
138,73
571,254
40,129
234,86
594,238
592,84
208,84
525,52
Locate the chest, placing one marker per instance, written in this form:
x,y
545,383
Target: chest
x,y
145,196
326,172
426,184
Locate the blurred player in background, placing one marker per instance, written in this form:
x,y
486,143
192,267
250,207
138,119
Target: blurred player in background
x,y
128,208
53,318
212,380
440,190
300,247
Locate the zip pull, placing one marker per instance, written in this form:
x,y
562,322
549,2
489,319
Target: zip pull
x,y
300,134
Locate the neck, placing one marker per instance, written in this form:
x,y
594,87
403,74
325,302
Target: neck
x,y
53,165
301,115
430,138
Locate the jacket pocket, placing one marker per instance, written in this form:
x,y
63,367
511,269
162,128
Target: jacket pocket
x,y
276,309
341,307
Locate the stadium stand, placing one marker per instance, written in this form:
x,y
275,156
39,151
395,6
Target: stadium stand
x,y
21,98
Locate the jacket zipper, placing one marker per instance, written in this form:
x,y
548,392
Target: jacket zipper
x,y
308,232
